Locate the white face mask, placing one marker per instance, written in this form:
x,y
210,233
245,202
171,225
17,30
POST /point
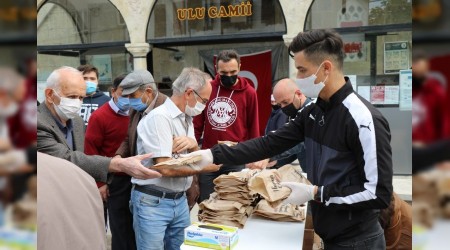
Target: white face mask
x,y
9,111
67,108
307,86
196,110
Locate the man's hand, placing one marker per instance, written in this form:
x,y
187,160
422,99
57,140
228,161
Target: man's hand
x,y
182,143
262,164
272,163
104,192
207,157
300,193
133,167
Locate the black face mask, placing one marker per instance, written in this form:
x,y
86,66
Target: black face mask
x,y
417,81
276,107
290,110
228,81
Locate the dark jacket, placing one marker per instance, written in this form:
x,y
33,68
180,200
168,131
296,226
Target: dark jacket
x,y
51,141
276,120
91,104
348,153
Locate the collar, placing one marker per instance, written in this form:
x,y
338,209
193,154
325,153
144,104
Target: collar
x,y
174,111
69,124
114,107
337,98
152,104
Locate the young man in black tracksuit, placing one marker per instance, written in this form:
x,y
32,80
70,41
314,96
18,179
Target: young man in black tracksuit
x,y
348,152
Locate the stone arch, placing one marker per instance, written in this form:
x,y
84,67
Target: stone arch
x,y
295,12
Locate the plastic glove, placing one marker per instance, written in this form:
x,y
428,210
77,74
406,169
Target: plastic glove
x,y
300,193
207,157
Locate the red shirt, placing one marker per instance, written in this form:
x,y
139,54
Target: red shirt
x,y
231,114
105,132
22,126
429,121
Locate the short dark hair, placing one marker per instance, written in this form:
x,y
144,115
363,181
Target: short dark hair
x,y
319,45
228,55
419,54
118,80
86,68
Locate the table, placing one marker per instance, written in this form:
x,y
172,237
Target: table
x,y
260,233
437,238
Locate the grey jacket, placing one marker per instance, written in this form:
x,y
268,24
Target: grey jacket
x,y
51,141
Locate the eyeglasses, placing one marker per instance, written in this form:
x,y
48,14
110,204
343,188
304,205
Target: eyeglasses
x,y
204,101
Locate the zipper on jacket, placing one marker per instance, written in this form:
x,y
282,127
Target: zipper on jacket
x,y
350,215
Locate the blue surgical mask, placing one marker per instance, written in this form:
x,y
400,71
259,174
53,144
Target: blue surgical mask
x,y
123,103
91,87
137,104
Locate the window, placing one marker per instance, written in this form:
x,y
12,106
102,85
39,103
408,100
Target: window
x,y
377,42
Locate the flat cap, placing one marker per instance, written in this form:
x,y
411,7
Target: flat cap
x,y
134,80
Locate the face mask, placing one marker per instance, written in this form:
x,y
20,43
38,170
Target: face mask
x,y
123,103
417,81
276,107
289,110
196,110
228,81
137,104
67,108
307,86
9,111
91,87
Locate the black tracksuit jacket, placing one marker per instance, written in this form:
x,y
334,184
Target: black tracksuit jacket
x,y
348,153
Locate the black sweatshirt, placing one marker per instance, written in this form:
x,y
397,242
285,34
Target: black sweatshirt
x,y
348,152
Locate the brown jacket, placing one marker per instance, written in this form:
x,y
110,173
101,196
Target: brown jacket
x,y
399,235
128,146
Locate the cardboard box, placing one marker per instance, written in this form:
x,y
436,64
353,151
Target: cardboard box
x,y
212,236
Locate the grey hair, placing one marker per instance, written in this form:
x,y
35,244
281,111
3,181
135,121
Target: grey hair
x,y
9,79
53,80
149,85
190,77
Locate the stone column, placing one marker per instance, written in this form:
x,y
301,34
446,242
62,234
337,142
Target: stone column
x,y
292,69
295,12
39,3
139,52
136,14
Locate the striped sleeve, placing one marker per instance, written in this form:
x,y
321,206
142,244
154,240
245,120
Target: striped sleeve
x,y
374,141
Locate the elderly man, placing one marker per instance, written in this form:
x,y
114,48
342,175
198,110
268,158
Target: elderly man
x,y
160,209
60,131
291,100
140,88
138,91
